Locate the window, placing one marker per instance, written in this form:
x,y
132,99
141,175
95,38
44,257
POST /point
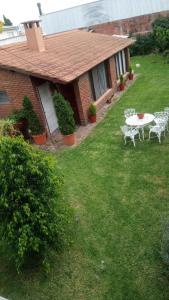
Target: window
x,y
99,80
3,97
120,59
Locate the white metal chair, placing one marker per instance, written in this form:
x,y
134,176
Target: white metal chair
x,y
129,112
160,114
158,130
166,110
130,132
162,119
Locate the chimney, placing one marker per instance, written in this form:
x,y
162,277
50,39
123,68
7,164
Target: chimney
x,y
34,35
39,8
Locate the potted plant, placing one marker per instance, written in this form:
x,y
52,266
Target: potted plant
x,y
121,86
140,115
92,113
131,75
65,117
36,130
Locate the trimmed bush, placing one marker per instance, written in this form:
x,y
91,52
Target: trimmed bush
x,y
64,114
33,216
34,125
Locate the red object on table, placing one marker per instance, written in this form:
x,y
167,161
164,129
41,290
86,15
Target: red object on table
x,y
140,116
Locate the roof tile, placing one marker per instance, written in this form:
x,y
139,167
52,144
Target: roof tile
x,y
67,56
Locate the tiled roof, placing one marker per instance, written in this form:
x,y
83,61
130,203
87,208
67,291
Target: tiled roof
x,y
67,55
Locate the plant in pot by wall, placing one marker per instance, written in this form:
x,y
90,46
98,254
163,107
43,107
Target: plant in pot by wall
x,y
121,86
131,75
65,118
92,113
36,130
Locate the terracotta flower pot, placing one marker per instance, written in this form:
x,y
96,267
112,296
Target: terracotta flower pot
x,y
92,118
39,139
121,87
69,139
131,75
140,116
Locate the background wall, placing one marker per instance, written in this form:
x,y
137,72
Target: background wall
x,y
97,12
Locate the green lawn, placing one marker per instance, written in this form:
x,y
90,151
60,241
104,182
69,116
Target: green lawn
x,y
120,195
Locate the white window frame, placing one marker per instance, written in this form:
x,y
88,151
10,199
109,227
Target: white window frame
x,y
121,63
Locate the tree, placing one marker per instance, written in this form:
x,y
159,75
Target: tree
x,y
33,121
33,215
7,22
161,33
64,114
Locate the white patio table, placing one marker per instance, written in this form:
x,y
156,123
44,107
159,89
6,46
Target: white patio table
x,y
141,123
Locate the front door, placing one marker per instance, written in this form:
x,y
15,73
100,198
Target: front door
x,y
48,106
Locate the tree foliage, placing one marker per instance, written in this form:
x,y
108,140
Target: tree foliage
x,y
145,44
157,41
33,122
33,217
161,33
7,22
64,114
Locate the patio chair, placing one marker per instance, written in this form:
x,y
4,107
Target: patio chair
x,y
166,110
129,112
163,118
130,132
158,130
160,114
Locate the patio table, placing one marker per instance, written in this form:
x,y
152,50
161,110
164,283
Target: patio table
x,y
136,122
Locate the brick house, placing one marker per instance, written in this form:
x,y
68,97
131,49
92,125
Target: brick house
x,y
84,67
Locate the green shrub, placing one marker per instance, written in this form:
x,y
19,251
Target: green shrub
x,y
130,69
33,216
92,109
64,114
161,33
34,125
145,44
121,79
7,127
17,115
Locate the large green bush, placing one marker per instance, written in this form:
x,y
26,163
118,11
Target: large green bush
x,y
157,40
145,44
161,33
64,114
33,216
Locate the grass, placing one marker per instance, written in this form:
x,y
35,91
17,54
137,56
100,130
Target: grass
x,y
120,197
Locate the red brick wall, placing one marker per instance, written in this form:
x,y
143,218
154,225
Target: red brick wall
x,y
83,95
17,86
139,24
112,73
83,91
